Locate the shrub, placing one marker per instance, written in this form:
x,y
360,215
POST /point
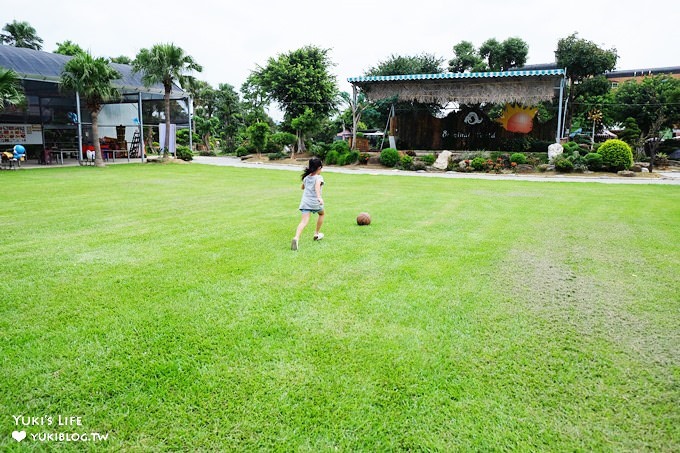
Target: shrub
x,y
478,163
563,164
418,166
351,157
616,155
340,146
406,162
277,156
594,161
389,157
241,151
332,157
518,158
570,147
428,159
320,150
363,158
184,153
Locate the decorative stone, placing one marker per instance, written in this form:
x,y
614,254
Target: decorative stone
x,y
462,164
524,168
626,173
554,150
636,168
442,161
644,170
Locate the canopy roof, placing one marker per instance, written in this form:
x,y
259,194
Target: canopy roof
x,y
527,87
42,66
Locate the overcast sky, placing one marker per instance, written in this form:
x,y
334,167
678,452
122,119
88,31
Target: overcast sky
x,y
230,39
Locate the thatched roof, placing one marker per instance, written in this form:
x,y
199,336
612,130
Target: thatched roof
x,y
525,87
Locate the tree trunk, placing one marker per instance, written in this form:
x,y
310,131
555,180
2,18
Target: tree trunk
x,y
98,160
166,143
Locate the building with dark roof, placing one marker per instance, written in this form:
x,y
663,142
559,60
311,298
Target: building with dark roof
x,y
54,118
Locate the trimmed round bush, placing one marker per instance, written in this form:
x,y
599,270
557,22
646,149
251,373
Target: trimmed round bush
x,y
616,155
563,165
518,158
389,157
478,163
406,162
594,161
184,153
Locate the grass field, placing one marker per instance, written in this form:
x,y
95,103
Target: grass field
x,y
162,305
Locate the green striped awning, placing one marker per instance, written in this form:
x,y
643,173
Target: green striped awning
x,y
528,87
458,75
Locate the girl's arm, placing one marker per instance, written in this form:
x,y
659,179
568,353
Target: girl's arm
x,y
317,188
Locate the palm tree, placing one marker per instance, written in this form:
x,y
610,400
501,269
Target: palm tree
x,y
165,63
91,78
11,92
21,34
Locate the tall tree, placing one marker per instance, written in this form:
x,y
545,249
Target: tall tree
x,y
654,104
493,55
582,59
503,56
229,110
423,63
297,81
68,48
466,58
91,78
166,64
11,92
21,34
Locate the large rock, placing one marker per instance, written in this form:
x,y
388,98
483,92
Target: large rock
x,y
442,161
554,150
626,173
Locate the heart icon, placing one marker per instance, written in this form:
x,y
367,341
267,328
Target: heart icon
x,y
19,435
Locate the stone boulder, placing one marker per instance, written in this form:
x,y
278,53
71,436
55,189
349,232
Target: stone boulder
x,y
442,161
554,150
626,173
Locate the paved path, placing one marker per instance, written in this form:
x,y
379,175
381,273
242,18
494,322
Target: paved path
x,y
667,178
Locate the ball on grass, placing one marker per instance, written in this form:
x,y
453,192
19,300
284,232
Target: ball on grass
x,y
363,219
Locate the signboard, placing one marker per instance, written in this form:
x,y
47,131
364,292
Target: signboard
x,y
20,134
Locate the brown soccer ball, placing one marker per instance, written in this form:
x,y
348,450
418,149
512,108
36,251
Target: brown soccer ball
x,y
363,219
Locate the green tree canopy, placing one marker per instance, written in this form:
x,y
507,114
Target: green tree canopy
x,y
297,81
11,92
492,55
121,59
466,58
648,100
91,78
166,64
423,63
21,34
582,59
229,110
68,48
502,56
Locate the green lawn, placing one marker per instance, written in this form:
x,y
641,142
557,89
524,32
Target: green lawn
x,y
163,306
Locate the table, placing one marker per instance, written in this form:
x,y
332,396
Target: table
x,y
60,154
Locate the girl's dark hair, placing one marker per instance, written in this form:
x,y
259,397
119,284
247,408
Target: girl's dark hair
x,y
314,164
